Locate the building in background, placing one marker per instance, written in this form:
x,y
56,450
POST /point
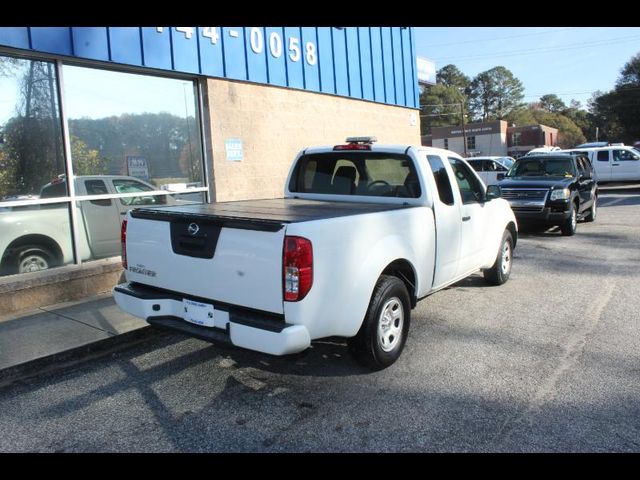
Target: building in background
x,y
165,115
523,139
492,138
488,139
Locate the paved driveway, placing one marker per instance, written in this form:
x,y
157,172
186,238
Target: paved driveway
x,y
548,362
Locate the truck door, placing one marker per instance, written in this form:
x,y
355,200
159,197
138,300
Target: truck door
x,y
625,165
472,213
602,165
101,220
447,218
586,183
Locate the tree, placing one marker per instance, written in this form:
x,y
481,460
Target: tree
x,y
495,93
583,119
440,107
87,161
616,112
630,74
569,134
552,103
451,76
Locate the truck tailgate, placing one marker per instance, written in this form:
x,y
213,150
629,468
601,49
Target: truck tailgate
x,y
226,260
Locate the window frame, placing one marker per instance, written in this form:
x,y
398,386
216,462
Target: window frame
x,y
72,198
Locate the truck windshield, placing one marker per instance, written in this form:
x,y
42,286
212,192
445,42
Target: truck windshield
x,y
356,173
542,167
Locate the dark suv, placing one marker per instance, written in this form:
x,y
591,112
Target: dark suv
x,y
554,189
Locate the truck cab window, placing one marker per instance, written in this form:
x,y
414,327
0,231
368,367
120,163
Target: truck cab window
x,y
133,186
360,173
442,179
471,190
97,187
623,155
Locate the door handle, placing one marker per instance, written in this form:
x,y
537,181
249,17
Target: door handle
x,y
464,219
615,164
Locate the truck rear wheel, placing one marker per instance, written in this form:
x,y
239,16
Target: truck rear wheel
x,y
383,333
501,270
33,258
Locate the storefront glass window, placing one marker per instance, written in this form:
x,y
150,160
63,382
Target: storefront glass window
x,y
134,142
134,125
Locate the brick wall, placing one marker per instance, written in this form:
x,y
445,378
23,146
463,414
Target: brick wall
x,y
275,123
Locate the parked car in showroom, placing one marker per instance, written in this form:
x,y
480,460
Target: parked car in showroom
x,y
552,189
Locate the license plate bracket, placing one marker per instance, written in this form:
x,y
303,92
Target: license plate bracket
x,y
198,313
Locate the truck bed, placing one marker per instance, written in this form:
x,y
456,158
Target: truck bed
x,y
263,215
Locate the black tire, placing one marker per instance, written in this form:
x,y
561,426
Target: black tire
x,y
501,270
32,258
568,227
379,350
593,211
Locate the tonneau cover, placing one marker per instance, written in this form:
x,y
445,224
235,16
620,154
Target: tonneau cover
x,y
268,214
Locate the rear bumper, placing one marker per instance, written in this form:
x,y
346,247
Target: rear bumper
x,y
242,327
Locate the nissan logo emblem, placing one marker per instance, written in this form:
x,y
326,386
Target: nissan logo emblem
x,y
193,228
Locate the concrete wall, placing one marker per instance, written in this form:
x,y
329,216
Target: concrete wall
x,y
275,123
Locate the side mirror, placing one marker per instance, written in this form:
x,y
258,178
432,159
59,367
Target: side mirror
x,y
501,176
493,191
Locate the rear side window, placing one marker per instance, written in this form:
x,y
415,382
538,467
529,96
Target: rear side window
x,y
603,156
442,179
356,173
97,187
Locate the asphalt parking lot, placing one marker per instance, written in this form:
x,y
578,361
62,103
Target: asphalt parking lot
x,y
549,362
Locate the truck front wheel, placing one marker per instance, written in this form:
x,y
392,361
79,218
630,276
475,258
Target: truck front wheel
x,y
383,333
568,228
501,269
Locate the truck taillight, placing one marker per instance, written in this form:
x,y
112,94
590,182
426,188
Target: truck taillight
x,y
297,268
123,241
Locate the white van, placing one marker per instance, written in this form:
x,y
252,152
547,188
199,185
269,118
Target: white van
x,y
613,163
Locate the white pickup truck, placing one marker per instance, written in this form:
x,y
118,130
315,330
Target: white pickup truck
x,y
38,237
363,233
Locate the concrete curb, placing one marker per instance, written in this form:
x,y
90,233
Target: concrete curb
x,y
69,358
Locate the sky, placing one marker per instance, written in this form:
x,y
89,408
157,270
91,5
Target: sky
x,y
571,62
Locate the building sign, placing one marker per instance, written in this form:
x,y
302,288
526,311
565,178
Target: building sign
x,y
426,71
233,148
137,167
488,128
370,63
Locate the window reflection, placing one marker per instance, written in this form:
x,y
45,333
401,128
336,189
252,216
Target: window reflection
x,y
31,152
34,238
135,125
